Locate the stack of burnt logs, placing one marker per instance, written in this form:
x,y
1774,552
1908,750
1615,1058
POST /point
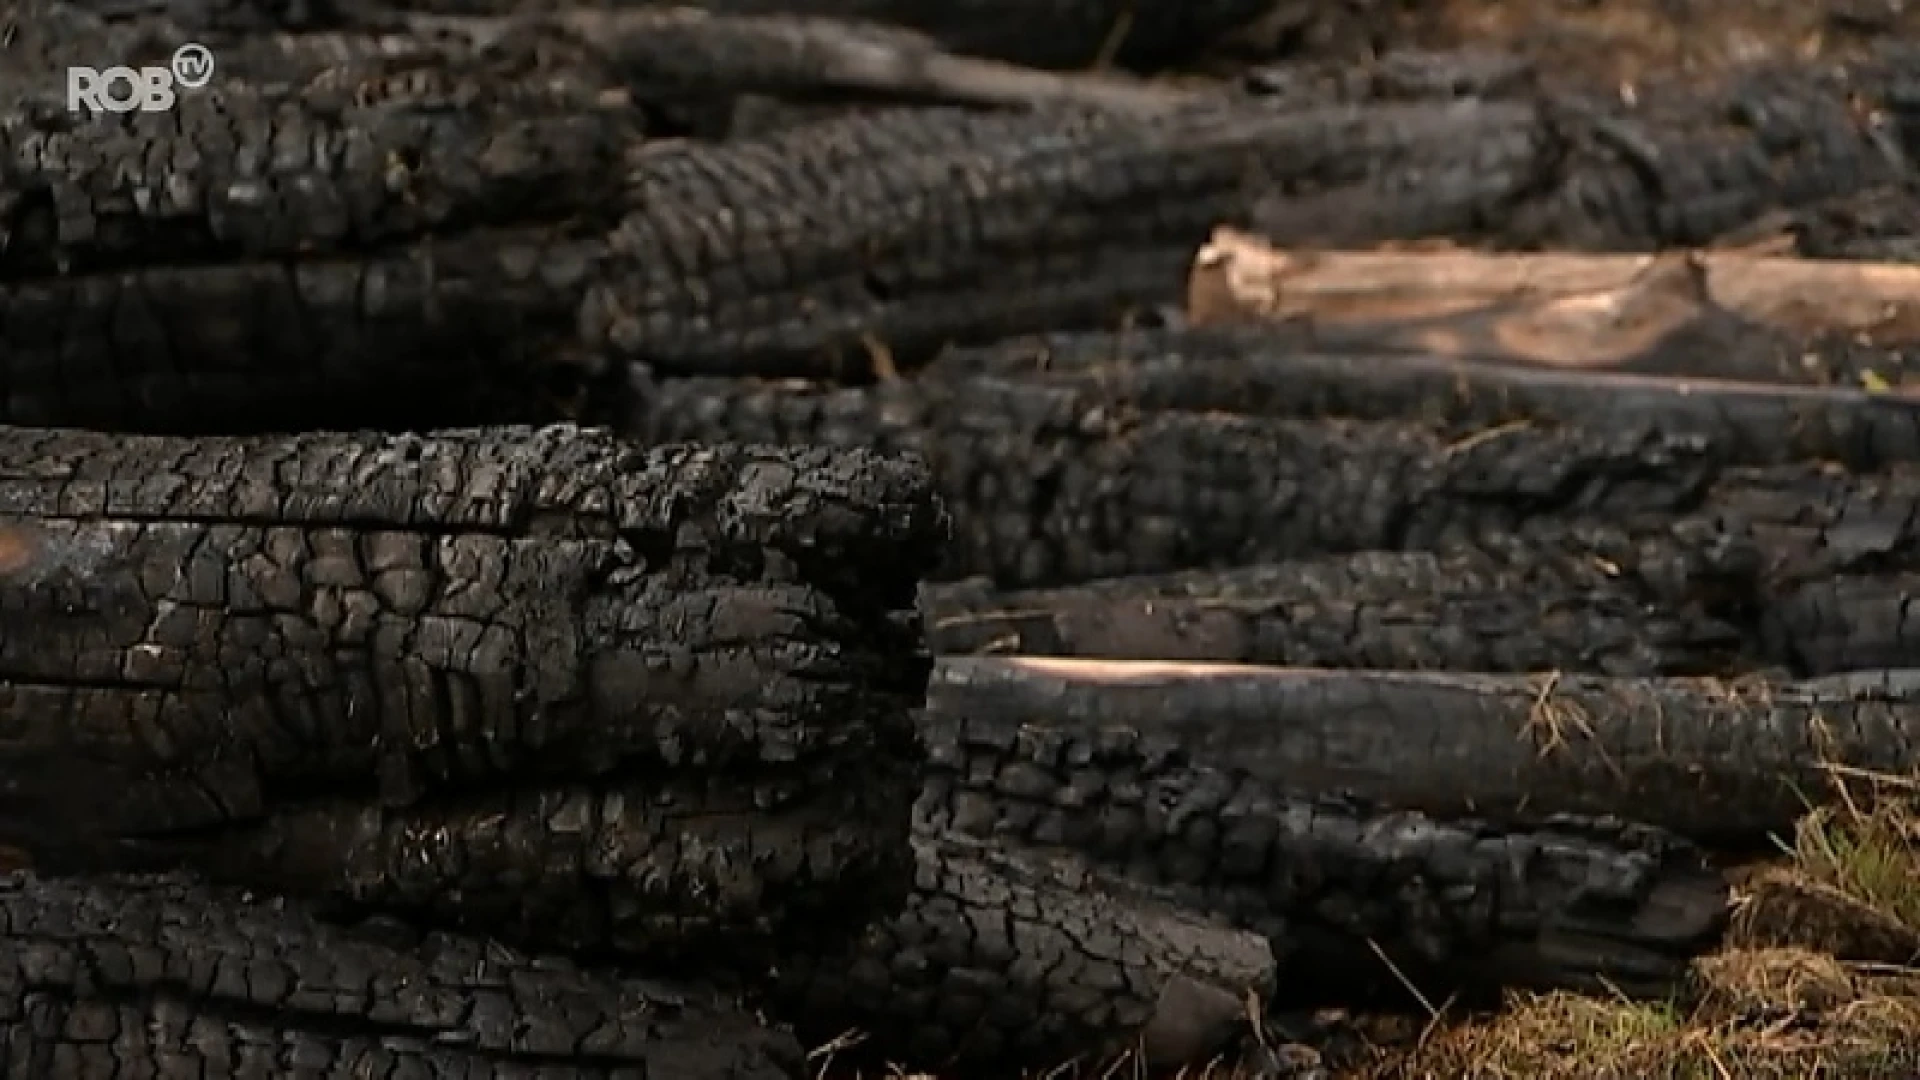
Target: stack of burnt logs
x,y
535,544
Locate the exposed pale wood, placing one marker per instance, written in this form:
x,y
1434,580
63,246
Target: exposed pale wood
x,y
1556,309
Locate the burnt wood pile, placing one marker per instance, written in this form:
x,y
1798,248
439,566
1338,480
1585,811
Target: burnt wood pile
x,y
627,541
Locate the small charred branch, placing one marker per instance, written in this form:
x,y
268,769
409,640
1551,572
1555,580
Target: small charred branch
x,y
1710,759
686,55
1516,607
158,976
1457,906
1052,485
1004,960
1075,35
1287,371
531,679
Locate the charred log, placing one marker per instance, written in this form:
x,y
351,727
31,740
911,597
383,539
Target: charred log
x,y
1717,760
1009,959
1051,484
1516,606
530,681
1286,371
163,977
1362,896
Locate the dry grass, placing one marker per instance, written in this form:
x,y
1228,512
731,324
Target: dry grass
x,y
1816,980
1754,1013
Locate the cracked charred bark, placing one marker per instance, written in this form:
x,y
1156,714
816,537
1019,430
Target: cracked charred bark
x,y
1054,485
1721,760
1011,959
161,977
1276,371
1510,606
529,681
1458,906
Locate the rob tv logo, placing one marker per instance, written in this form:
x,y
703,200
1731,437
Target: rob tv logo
x,y
148,89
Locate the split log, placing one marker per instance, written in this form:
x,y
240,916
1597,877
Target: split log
x,y
1004,960
1287,370
1052,486
1708,315
1510,606
162,977
531,681
1354,898
1716,760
